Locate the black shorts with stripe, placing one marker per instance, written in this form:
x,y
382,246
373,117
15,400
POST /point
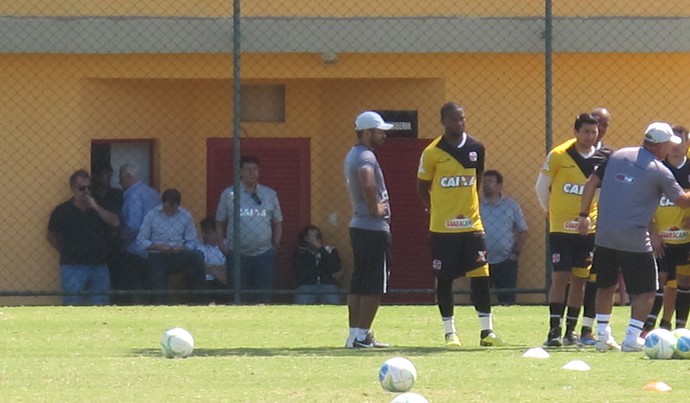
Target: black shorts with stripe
x,y
459,254
372,256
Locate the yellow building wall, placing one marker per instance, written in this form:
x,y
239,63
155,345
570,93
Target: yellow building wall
x,y
54,106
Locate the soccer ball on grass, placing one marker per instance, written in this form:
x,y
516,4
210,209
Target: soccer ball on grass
x,y
659,344
397,374
682,349
177,343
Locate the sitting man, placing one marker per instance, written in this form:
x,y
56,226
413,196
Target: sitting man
x,y
168,234
317,267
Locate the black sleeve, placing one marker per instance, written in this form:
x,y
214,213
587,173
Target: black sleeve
x,y
601,169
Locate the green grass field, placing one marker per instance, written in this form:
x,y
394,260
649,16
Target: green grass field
x,y
295,354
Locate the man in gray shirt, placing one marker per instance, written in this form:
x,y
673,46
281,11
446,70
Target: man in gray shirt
x,y
632,181
369,229
261,227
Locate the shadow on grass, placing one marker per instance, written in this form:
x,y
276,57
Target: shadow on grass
x,y
324,351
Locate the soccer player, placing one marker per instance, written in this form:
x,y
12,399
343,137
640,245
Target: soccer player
x,y
559,189
632,181
603,117
450,169
673,245
369,229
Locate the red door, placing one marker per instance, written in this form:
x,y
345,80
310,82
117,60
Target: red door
x,y
411,266
285,167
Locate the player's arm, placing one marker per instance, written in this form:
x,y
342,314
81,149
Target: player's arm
x,y
683,200
367,180
423,188
591,186
543,189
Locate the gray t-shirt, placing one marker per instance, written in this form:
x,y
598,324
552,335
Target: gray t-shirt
x,y
361,156
256,218
633,181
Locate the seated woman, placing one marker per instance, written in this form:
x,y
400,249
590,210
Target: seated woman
x,y
317,267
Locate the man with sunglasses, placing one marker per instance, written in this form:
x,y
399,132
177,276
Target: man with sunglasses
x,y
261,229
79,229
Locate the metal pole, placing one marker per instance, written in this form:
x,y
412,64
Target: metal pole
x,y
548,115
236,130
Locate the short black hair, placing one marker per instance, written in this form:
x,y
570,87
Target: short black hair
x,y
249,159
79,173
449,107
171,196
584,119
495,174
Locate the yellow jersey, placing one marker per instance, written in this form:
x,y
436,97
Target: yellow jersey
x,y
453,172
569,171
668,218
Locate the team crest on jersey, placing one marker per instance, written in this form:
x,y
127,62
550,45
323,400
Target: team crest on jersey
x,y
625,178
555,258
481,256
473,156
436,264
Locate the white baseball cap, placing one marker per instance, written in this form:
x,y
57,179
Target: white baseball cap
x,y
371,120
660,132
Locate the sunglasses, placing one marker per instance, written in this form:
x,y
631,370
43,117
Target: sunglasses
x,y
256,198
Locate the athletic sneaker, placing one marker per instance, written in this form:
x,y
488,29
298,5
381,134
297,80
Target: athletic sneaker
x,y
553,339
491,340
452,340
572,339
632,348
610,344
369,342
587,339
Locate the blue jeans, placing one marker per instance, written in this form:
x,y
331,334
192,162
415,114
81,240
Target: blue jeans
x,y
161,265
256,273
78,278
310,294
504,275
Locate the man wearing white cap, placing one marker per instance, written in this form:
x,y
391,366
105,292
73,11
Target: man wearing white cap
x,y
632,181
370,234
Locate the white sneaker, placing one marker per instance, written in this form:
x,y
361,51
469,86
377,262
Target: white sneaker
x,y
610,344
633,348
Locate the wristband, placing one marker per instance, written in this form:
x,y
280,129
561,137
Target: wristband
x,y
584,215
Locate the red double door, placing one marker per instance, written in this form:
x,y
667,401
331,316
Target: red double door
x,y
286,167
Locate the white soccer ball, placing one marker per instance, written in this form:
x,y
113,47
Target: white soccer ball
x,y
659,344
177,343
682,349
409,397
397,374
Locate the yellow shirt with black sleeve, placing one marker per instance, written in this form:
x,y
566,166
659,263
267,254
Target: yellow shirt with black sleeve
x,y
568,171
453,172
668,218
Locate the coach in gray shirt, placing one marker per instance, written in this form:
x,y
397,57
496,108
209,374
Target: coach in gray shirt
x,y
632,181
261,228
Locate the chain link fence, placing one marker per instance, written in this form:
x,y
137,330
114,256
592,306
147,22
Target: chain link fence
x,y
94,84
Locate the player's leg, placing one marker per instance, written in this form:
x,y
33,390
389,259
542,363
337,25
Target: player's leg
x,y
670,291
607,268
444,253
562,261
473,262
683,295
582,262
640,275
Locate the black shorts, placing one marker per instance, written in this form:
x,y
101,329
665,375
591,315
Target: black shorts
x,y
459,254
639,270
372,256
674,255
571,252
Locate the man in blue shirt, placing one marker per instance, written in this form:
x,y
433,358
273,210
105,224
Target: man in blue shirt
x,y
168,235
